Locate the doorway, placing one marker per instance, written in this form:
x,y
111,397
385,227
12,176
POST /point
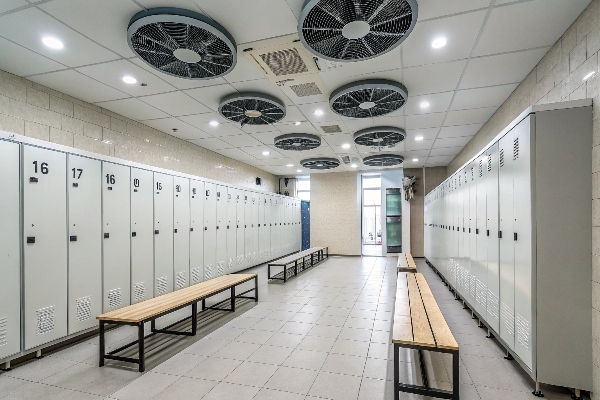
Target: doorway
x,y
371,216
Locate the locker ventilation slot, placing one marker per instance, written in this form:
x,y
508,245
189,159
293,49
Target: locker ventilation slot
x,y
516,149
472,173
84,308
180,280
481,294
240,259
480,169
45,320
231,263
139,291
161,285
509,319
3,331
501,158
220,269
522,331
114,298
208,272
492,304
196,276
489,163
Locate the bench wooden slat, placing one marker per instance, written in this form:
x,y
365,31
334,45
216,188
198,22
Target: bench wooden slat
x,y
406,263
149,308
441,332
293,257
422,334
402,330
411,262
402,261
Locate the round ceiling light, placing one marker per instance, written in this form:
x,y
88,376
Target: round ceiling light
x,y
53,43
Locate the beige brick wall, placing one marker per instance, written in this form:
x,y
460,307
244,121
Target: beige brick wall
x,y
29,109
559,77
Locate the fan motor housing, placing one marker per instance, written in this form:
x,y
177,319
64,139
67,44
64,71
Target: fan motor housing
x,y
182,43
368,98
383,160
252,109
320,163
297,141
380,137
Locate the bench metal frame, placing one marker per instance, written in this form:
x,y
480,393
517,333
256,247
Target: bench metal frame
x,y
141,361
322,255
425,390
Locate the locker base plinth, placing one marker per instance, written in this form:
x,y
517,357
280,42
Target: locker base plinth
x,y
508,356
6,367
577,395
489,334
38,354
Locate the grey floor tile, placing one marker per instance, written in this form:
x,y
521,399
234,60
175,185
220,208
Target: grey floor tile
x,y
317,343
299,328
358,323
270,394
344,364
254,336
36,370
78,376
282,339
293,380
251,374
229,391
361,335
270,325
78,352
271,354
376,389
325,331
75,395
226,333
257,312
186,388
237,350
214,369
179,364
306,359
281,315
243,322
9,384
350,347
35,391
290,307
306,318
145,387
337,311
381,350
335,386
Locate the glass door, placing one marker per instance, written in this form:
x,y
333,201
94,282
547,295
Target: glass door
x,y
371,212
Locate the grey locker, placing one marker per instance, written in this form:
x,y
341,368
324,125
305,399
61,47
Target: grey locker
x,y
268,226
479,230
142,235
181,232
274,252
240,233
163,234
116,245
476,267
248,245
210,231
262,236
255,235
491,238
196,231
45,245
221,229
10,250
231,229
85,242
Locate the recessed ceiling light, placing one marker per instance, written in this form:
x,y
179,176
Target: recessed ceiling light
x,y
345,146
415,159
290,165
438,43
424,104
53,43
298,170
588,76
266,153
319,112
354,165
214,123
419,138
129,79
297,123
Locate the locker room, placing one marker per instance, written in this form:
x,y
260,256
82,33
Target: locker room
x,y
299,199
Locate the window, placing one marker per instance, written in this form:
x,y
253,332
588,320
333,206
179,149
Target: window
x,y
303,188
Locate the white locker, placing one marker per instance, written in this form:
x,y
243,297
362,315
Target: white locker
x,y
116,246
10,250
240,232
248,246
163,234
45,245
181,232
254,225
491,238
221,229
479,238
476,268
231,229
142,235
268,226
196,231
210,231
85,242
262,236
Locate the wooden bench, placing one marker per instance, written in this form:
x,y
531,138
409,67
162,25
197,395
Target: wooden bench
x,y
420,325
406,263
298,259
149,310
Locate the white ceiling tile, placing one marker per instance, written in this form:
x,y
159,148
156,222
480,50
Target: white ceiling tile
x,y
425,133
112,74
280,162
337,78
460,32
249,21
175,103
527,25
438,102
473,116
212,144
226,129
424,121
323,150
421,145
451,142
438,161
500,69
211,96
184,131
400,147
236,154
338,139
28,27
308,110
267,138
305,127
106,25
492,96
437,78
354,125
340,151
22,62
259,128
202,121
185,4
78,85
241,141
245,69
134,109
262,86
7,5
447,151
421,154
296,6
436,8
257,152
179,83
459,130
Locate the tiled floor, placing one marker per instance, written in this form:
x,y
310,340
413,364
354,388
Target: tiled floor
x,y
322,335
372,250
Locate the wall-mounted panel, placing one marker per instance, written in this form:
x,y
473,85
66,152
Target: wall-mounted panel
x,y
196,231
181,232
163,234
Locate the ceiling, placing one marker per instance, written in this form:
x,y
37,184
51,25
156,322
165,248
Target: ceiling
x,y
491,46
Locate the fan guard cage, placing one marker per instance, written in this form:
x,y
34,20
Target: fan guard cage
x,y
155,34
380,137
321,163
367,99
383,160
297,141
385,25
237,108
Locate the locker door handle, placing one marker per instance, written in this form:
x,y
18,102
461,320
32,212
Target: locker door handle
x,y
191,229
488,232
499,234
217,226
133,234
33,180
30,239
515,236
156,231
238,226
477,231
227,226
72,238
175,230
469,230
106,235
463,230
259,225
205,228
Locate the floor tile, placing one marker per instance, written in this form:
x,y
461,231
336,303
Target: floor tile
x,y
186,388
179,364
361,335
229,391
344,364
317,343
214,369
296,327
254,336
306,359
335,386
36,370
251,374
206,347
237,350
145,387
271,355
325,331
293,380
282,339
351,347
270,394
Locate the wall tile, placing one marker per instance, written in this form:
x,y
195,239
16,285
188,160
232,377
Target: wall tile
x,y
549,61
59,136
28,112
91,116
38,98
577,56
12,124
91,130
72,124
37,131
13,89
61,106
569,40
587,21
118,125
4,104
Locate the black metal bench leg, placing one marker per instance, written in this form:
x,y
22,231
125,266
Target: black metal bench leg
x,y
296,268
194,318
268,271
102,347
455,376
284,273
256,289
396,372
233,299
142,361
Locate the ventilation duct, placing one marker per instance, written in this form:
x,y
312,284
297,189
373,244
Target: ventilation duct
x,y
320,163
383,160
297,142
368,99
380,137
252,109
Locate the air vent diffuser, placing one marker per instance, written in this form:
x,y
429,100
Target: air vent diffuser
x,y
182,43
380,137
252,109
320,163
369,98
297,141
383,160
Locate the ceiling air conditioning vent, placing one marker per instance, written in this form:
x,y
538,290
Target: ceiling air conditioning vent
x,y
182,43
297,141
320,163
306,89
350,30
252,109
383,160
284,62
369,98
350,160
331,129
380,137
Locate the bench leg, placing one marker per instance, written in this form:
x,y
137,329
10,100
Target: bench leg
x,y
455,376
256,289
194,318
142,361
233,299
396,372
102,347
296,268
284,273
268,271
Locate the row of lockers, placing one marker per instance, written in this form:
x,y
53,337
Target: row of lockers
x,y
97,235
492,230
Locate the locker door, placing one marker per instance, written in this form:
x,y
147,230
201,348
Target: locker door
x,y
522,238
221,229
163,234
462,281
491,238
480,250
255,241
231,229
481,291
196,232
248,246
507,251
85,242
267,227
240,235
261,226
142,235
181,232
210,231
272,227
45,245
10,249
116,245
